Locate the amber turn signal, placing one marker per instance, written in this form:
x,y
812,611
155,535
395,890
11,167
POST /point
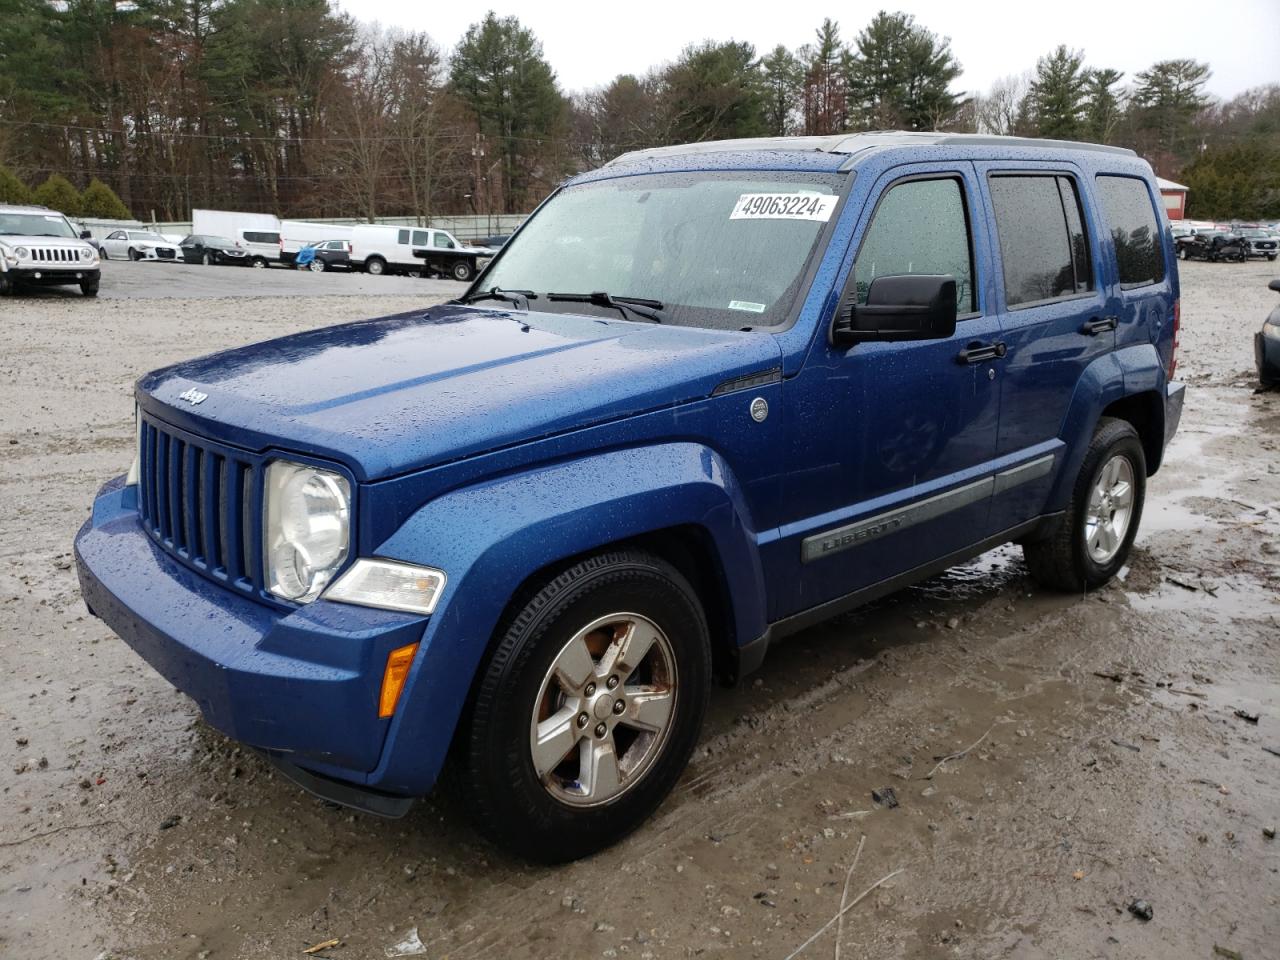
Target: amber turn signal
x,y
398,662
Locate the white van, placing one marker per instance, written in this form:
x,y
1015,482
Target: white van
x,y
380,249
258,234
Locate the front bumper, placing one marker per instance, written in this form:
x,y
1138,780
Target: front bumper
x,y
174,257
300,685
55,277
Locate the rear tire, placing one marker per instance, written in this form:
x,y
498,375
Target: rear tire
x,y
548,692
258,263
1088,544
376,266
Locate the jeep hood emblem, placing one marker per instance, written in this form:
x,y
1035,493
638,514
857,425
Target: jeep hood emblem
x,y
193,396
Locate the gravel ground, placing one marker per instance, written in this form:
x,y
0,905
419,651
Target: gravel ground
x,y
1110,760
149,280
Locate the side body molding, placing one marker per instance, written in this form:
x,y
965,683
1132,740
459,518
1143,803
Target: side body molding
x,y
491,536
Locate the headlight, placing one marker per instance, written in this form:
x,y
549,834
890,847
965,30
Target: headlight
x,y
87,253
135,468
389,585
307,528
144,246
21,253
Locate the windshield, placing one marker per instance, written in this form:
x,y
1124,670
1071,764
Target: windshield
x,y
134,235
36,225
723,250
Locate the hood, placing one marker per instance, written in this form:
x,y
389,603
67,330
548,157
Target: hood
x,y
400,393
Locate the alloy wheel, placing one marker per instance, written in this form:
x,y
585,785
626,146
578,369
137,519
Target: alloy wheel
x,y
604,710
1110,510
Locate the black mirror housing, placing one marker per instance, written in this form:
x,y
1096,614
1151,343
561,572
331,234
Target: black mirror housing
x,y
86,235
1274,285
908,307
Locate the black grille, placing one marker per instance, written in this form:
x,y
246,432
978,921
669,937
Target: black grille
x,y
164,254
54,255
200,501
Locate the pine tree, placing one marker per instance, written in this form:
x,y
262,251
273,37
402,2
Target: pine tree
x,y
12,190
900,74
1169,97
1057,97
57,193
782,79
1102,104
714,92
825,102
100,201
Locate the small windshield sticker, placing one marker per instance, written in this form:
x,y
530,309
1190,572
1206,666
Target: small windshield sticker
x,y
746,305
784,206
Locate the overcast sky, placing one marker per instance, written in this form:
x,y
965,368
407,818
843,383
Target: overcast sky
x,y
589,44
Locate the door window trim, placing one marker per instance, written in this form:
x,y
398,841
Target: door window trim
x,y
1090,238
958,175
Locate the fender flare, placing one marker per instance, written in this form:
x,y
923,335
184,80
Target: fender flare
x,y
1128,372
489,538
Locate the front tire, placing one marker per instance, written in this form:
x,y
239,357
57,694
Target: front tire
x,y
316,266
206,259
588,709
1088,544
134,255
462,270
258,263
89,289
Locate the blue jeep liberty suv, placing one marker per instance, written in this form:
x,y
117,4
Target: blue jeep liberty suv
x,y
707,396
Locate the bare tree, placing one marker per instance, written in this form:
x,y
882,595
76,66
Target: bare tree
x,y
997,111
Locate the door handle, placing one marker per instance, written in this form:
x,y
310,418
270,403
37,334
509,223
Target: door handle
x,y
978,352
1096,326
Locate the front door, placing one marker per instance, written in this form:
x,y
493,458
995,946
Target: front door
x,y
892,443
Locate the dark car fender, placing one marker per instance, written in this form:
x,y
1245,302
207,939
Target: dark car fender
x,y
491,537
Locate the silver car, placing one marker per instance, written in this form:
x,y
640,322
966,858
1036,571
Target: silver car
x,y
138,245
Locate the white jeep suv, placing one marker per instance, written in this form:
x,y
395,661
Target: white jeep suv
x,y
38,246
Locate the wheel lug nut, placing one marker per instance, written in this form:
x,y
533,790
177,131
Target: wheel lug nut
x,y
619,706
583,720
612,683
601,729
591,689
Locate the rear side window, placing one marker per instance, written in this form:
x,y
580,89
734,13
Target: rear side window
x,y
1043,244
402,236
420,238
920,227
1126,205
253,236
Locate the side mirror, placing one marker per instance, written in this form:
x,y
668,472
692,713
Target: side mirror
x,y
919,307
86,235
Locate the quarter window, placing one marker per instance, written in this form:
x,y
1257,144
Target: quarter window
x,y
1126,204
1043,244
920,227
402,236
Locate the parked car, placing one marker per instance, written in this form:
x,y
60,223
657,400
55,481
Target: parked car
x,y
202,248
296,234
258,234
1215,245
330,254
752,385
138,245
1261,243
1266,345
379,249
40,247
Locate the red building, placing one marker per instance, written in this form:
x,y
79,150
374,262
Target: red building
x,y
1175,198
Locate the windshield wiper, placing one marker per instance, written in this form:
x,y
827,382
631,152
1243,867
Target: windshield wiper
x,y
639,306
517,298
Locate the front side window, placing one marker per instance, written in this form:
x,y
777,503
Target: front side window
x,y
1126,205
725,250
444,240
148,237
1043,244
919,227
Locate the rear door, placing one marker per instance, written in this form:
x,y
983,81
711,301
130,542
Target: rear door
x,y
1054,319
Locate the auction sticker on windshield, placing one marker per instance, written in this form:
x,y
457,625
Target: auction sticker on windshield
x,y
784,206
